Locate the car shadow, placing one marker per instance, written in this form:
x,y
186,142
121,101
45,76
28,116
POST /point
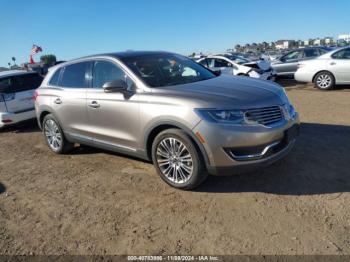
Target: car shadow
x,y
88,150
28,126
318,164
2,188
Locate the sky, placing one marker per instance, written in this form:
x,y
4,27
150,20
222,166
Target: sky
x,y
75,28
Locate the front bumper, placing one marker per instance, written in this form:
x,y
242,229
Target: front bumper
x,y
218,138
269,75
12,118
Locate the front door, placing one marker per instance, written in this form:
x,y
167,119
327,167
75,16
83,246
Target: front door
x,y
114,117
288,63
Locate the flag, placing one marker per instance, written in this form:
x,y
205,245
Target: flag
x,y
36,49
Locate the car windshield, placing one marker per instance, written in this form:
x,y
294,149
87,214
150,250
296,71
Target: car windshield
x,y
159,70
237,59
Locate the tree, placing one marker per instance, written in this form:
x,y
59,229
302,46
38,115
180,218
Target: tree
x,y
48,59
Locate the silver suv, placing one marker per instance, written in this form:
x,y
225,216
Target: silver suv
x,y
165,108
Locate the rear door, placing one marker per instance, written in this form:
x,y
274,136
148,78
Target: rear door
x,y
20,95
69,99
340,66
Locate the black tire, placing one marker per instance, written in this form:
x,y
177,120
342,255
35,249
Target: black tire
x,y
64,146
198,174
324,80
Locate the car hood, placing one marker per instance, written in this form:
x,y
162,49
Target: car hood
x,y
229,91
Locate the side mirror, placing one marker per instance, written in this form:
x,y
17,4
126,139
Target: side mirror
x,y
115,86
217,72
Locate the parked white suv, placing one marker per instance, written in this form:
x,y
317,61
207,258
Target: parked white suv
x,y
17,89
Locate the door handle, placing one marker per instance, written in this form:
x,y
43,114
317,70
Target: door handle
x,y
58,101
94,104
333,63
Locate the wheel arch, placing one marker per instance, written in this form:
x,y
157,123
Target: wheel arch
x,y
155,129
326,71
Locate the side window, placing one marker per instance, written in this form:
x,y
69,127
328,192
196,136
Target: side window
x,y
76,75
292,56
308,53
5,84
342,54
323,51
26,82
54,79
220,63
204,62
105,71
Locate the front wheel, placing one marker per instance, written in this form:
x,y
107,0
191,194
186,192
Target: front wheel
x,y
324,81
177,160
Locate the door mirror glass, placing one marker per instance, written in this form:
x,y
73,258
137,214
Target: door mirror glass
x,y
217,72
115,86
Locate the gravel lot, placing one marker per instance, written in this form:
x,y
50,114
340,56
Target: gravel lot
x,y
97,202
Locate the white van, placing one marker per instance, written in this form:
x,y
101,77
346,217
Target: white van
x,y
17,89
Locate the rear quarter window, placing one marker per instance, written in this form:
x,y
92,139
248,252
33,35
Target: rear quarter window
x,y
54,79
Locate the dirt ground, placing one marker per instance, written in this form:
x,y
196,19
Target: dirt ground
x,y
97,202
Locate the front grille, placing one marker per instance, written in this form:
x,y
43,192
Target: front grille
x,y
265,116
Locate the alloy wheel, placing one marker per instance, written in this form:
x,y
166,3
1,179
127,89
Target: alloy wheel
x,y
174,160
324,81
53,134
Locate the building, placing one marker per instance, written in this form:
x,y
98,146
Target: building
x,y
345,38
317,41
285,44
328,40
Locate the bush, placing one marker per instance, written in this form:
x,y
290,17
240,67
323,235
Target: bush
x,y
48,59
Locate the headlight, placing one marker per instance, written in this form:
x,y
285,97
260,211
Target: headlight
x,y
222,116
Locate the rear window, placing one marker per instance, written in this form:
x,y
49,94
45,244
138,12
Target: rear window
x,y
76,75
26,82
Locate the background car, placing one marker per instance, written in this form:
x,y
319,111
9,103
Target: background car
x,y
327,70
286,65
230,64
16,96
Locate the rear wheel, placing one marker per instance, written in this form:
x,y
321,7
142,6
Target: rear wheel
x,y
177,160
324,81
54,136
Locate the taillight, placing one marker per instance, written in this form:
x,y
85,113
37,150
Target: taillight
x,y
6,121
36,94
